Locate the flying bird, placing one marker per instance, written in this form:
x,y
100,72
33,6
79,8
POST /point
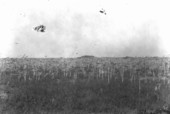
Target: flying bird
x,y
40,28
102,11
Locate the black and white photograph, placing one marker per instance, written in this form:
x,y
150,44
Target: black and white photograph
x,y
84,57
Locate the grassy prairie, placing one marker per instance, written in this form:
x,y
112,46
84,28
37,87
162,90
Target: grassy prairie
x,y
124,85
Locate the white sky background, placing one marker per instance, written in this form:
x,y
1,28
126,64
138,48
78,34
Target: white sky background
x,y
76,27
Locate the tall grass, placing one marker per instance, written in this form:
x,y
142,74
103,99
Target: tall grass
x,y
83,85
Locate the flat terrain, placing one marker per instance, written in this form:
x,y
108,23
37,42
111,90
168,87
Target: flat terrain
x,y
85,84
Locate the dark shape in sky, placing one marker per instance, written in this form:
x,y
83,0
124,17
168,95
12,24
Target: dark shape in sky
x,y
40,28
102,11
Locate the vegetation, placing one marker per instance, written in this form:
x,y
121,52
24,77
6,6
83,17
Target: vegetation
x,y
83,85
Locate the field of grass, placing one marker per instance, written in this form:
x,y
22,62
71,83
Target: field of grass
x,y
83,85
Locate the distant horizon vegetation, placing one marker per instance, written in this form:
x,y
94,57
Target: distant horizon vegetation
x,y
92,56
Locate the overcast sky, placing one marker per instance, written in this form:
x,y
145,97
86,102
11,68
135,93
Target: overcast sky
x,y
76,27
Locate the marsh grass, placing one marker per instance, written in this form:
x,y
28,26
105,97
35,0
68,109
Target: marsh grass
x,y
36,86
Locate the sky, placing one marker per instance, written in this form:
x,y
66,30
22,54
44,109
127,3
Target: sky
x,y
76,28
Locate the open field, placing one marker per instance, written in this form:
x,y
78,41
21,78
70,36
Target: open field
x,y
87,84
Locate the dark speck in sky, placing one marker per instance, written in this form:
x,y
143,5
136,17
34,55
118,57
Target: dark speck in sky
x,y
40,28
102,11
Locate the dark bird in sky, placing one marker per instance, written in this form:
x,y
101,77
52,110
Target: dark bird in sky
x,y
102,11
40,28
